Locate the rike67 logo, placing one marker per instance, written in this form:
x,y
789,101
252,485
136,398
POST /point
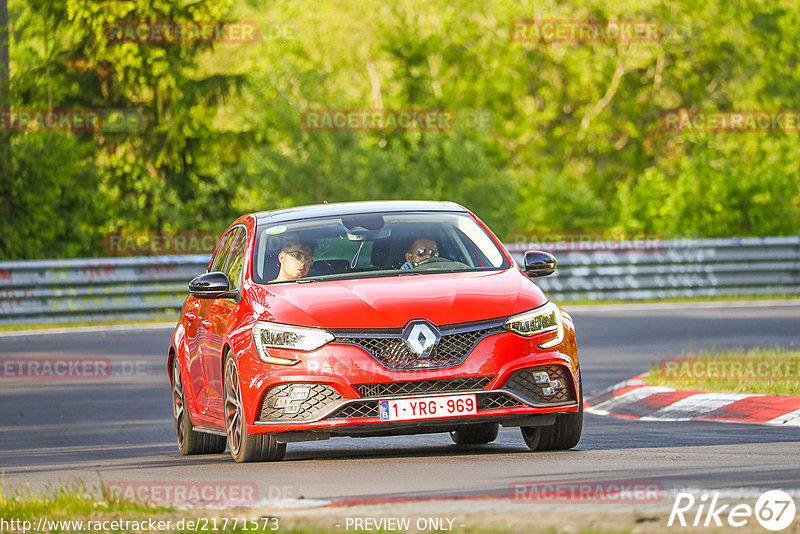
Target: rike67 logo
x,y
774,510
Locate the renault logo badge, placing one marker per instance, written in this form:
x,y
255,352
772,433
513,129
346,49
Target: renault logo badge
x,y
421,337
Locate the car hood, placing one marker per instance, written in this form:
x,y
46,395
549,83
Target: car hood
x,y
391,302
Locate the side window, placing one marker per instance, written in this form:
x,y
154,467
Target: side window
x,y
236,254
222,253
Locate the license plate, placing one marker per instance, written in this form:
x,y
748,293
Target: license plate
x,y
428,407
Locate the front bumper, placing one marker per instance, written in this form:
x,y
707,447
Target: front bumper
x,y
338,387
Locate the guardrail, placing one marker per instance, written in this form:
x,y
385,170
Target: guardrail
x,y
605,270
51,291
153,287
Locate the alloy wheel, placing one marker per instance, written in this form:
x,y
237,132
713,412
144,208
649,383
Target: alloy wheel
x,y
178,409
233,407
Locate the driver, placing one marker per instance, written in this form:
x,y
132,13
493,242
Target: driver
x,y
421,249
295,260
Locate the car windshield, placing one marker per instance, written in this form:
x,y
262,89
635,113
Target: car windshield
x,y
376,244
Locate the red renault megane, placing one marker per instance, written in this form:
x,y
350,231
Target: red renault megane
x,y
370,319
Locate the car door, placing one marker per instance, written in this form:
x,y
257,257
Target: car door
x,y
203,325
220,318
194,339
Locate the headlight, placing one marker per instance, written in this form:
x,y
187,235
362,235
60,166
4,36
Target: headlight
x,y
280,336
543,319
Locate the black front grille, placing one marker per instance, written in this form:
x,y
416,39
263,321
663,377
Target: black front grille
x,y
522,382
393,353
320,397
399,389
492,401
369,408
355,410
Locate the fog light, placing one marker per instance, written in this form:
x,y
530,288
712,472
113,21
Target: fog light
x,y
281,402
556,384
548,392
540,377
292,408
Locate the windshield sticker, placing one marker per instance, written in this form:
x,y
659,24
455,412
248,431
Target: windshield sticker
x,y
275,230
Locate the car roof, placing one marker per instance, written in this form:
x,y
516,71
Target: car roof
x,y
354,208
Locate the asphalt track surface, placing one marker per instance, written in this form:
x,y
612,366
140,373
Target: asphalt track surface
x,y
120,429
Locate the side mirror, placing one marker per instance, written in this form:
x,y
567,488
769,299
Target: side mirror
x,y
212,286
539,263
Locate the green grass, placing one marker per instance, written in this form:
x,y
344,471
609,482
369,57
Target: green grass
x,y
769,371
728,298
72,502
75,503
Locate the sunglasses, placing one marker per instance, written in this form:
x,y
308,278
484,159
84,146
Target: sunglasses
x,y
428,251
299,256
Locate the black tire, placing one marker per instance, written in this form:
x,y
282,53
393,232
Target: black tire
x,y
190,441
563,435
243,446
475,434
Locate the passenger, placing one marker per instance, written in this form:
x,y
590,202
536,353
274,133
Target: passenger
x,y
295,259
421,249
